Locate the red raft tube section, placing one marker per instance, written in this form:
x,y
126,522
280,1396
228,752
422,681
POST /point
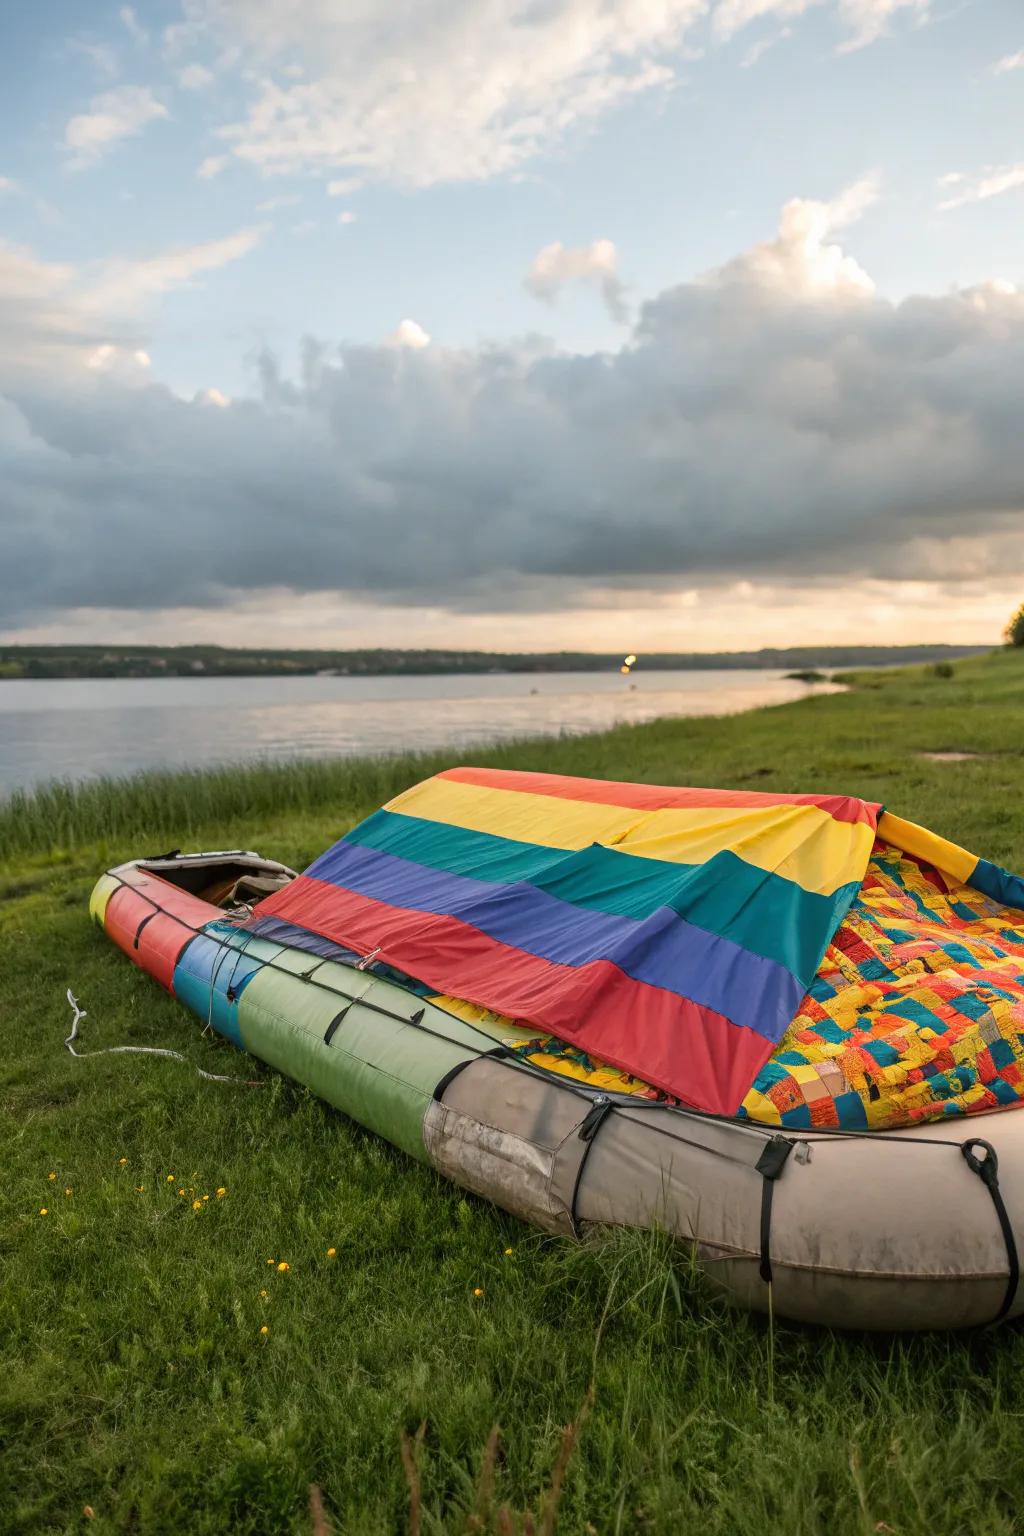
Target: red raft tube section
x,y
152,921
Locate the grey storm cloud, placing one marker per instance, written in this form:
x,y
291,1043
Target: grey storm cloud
x,y
774,417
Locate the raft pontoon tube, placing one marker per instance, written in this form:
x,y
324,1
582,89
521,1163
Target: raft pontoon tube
x,y
915,1228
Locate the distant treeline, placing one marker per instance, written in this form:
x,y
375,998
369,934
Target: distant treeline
x,y
226,661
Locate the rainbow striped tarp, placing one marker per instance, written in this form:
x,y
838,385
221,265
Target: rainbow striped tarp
x,y
671,932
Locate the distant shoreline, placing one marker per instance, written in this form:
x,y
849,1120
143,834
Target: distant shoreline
x,y
155,661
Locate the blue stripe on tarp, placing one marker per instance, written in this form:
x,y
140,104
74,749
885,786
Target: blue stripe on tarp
x,y
754,908
661,950
291,936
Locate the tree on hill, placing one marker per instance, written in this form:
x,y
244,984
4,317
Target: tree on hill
x,y
1015,628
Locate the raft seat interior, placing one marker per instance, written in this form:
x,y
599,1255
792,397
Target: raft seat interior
x,y
227,880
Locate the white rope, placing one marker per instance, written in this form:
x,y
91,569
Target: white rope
x,y
143,1050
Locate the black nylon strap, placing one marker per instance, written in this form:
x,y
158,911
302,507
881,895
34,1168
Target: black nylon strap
x,y
769,1165
987,1169
460,1066
589,1127
332,1027
138,932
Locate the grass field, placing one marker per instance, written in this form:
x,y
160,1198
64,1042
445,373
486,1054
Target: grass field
x,y
138,1391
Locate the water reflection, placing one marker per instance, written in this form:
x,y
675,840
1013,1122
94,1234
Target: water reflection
x,y
80,729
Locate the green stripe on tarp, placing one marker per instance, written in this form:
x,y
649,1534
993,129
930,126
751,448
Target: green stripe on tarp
x,y
762,912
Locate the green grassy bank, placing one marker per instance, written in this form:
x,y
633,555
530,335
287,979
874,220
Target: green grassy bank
x,y
136,1382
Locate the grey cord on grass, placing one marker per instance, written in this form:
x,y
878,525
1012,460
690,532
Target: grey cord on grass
x,y
143,1050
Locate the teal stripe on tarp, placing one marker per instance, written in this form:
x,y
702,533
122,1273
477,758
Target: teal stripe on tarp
x,y
759,911
998,884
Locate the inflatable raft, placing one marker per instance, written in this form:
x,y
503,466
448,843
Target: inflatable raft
x,y
344,979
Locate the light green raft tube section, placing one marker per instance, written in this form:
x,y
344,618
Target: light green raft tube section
x,y
375,1065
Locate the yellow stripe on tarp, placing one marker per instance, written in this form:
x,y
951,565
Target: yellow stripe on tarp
x,y
498,1025
102,891
801,843
502,1028
922,844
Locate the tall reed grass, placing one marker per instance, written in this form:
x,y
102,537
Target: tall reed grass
x,y
150,808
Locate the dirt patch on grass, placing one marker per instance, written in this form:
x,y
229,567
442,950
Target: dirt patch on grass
x,y
955,757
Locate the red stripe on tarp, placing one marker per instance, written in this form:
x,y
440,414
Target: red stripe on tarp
x,y
690,1051
655,797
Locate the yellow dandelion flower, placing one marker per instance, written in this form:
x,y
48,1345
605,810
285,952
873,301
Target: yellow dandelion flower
x,y
170,1178
140,1189
197,1205
206,1197
67,1191
478,1291
508,1252
51,1175
121,1162
282,1267
270,1261
264,1330
264,1294
221,1193
331,1252
181,1191
43,1211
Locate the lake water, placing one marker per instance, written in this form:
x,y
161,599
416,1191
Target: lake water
x,y
83,728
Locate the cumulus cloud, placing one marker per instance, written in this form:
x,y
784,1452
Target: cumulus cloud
x,y
212,166
862,21
557,265
409,333
125,286
1008,62
43,328
131,22
195,77
101,56
763,45
463,91
272,204
774,420
129,363
56,320
993,181
801,259
868,20
112,116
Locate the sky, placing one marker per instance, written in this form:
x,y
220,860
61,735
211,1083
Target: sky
x,y
513,324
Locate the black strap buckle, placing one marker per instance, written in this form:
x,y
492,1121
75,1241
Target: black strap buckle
x,y
987,1167
591,1121
773,1158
